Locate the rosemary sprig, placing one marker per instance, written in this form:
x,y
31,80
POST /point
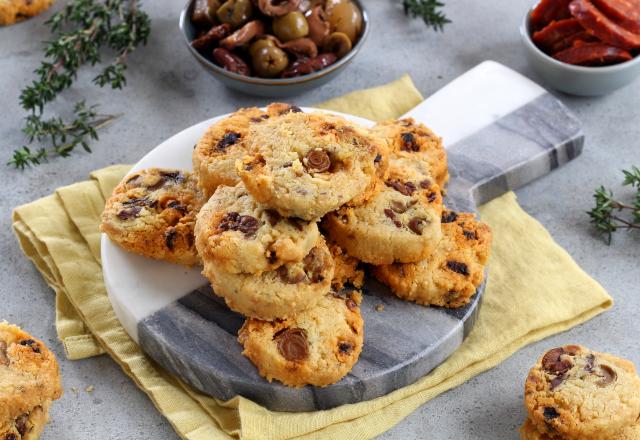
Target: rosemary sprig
x,y
81,31
607,215
428,11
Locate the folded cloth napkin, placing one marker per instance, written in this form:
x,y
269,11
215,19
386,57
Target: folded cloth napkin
x,y
534,290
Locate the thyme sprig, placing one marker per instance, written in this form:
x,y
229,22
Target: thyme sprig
x,y
82,30
610,214
428,10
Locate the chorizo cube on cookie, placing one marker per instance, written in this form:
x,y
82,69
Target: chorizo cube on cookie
x,y
29,382
152,213
316,347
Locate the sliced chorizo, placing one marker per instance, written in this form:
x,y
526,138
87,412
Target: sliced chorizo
x,y
555,32
569,41
602,27
593,54
626,13
547,11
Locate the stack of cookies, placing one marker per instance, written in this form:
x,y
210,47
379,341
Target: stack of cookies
x,y
29,382
284,208
576,393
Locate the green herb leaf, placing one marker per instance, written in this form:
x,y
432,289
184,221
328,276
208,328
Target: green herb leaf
x,y
428,11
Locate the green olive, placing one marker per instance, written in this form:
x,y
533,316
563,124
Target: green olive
x,y
346,18
213,6
338,43
235,12
259,44
269,61
290,26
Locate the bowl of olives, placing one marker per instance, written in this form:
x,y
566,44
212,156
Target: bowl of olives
x,y
274,48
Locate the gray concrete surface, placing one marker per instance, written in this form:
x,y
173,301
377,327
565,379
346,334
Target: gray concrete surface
x,y
167,92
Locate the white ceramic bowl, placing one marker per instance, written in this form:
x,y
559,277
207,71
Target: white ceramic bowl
x,y
577,80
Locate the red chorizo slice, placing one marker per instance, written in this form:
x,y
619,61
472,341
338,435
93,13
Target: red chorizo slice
x,y
593,54
571,39
556,31
624,12
547,11
599,25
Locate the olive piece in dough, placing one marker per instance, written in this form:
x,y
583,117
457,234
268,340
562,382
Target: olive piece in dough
x,y
235,12
269,61
290,26
259,44
338,43
346,18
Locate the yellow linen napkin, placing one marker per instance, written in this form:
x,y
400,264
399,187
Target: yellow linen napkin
x,y
535,289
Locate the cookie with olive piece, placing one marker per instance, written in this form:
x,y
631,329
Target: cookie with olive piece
x,y
275,294
307,164
239,234
224,142
401,223
450,276
316,347
153,212
575,392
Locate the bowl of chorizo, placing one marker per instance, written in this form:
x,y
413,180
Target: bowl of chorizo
x,y
584,47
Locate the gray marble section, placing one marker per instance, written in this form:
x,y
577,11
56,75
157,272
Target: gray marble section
x,y
513,151
195,338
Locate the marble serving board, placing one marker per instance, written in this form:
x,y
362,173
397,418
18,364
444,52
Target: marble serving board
x,y
501,131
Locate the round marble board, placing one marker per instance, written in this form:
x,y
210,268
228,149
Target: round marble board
x,y
176,319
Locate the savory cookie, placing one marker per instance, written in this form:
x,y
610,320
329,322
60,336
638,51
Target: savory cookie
x,y
276,294
12,11
401,223
307,164
346,269
316,347
153,212
574,392
406,137
451,275
29,381
241,235
224,142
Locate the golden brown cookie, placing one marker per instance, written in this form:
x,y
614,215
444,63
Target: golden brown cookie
x,y
276,294
307,164
13,11
152,213
452,274
576,393
29,381
346,269
401,223
224,142
406,137
316,347
239,234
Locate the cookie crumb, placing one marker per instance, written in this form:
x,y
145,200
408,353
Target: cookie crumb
x,y
379,308
90,389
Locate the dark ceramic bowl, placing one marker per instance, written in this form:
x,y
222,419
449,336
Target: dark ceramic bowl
x,y
271,87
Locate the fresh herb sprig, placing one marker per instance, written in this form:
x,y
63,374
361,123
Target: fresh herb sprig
x,y
608,215
82,30
428,10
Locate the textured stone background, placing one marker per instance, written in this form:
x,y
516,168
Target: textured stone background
x,y
167,91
